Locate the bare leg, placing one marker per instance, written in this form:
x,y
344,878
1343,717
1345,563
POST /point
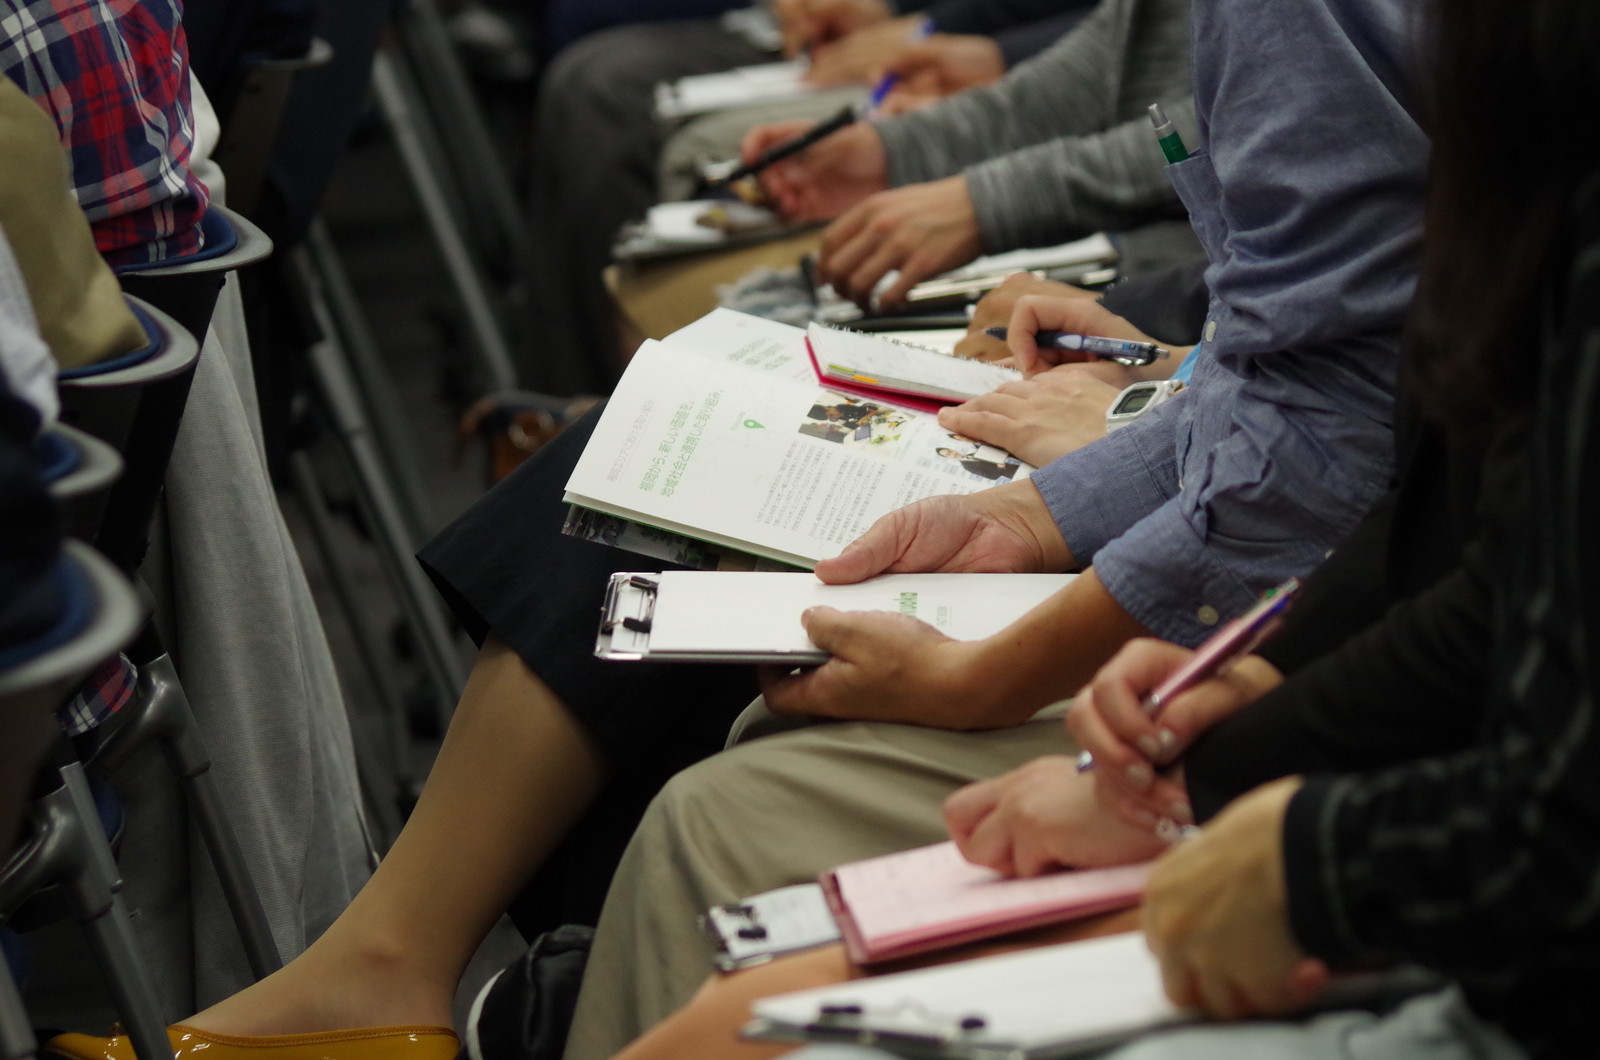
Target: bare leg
x,y
514,773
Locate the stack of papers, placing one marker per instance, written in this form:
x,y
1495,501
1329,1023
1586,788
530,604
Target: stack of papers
x,y
932,898
704,93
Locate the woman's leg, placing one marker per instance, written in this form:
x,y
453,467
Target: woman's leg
x,y
514,772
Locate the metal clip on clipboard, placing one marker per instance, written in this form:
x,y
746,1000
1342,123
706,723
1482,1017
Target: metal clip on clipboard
x,y
626,617
768,925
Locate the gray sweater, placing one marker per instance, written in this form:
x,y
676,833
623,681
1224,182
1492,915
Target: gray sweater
x,y
1061,146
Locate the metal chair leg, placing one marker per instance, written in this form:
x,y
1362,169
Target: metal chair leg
x,y
16,1034
336,388
165,717
419,151
68,848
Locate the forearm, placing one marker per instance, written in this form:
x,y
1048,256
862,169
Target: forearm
x,y
1049,653
1059,92
1071,186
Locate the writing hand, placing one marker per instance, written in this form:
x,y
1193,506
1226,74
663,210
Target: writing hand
x,y
856,58
825,179
1039,817
942,65
1033,313
1129,747
919,230
1007,528
1216,915
1041,418
993,310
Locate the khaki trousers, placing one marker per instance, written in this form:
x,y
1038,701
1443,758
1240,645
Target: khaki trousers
x,y
765,814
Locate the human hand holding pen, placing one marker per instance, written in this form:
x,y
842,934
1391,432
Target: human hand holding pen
x,y
939,66
824,180
1035,313
1134,752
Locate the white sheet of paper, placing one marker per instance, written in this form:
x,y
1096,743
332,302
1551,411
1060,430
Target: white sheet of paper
x,y
887,359
759,611
795,918
1053,999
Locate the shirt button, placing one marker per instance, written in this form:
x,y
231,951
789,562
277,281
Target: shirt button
x,y
1210,332
1207,615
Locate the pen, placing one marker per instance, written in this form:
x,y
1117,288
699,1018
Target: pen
x,y
1219,653
778,152
1123,351
886,83
1166,136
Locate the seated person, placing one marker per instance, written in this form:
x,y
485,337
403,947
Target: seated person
x,y
141,199
544,729
584,187
1419,788
1166,568
1060,148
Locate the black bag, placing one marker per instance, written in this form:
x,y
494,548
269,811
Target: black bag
x,y
525,1011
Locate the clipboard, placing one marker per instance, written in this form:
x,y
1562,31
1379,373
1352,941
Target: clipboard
x,y
754,616
768,925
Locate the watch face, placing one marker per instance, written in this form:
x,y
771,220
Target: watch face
x,y
1133,403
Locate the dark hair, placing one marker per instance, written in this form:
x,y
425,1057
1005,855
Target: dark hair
x,y
1515,86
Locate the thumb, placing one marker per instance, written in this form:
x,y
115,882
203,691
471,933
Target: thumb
x,y
869,554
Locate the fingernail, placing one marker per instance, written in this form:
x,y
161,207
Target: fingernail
x,y
1139,775
1168,739
1181,813
1149,746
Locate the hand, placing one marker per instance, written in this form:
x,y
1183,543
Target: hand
x,y
857,58
1038,419
804,23
1006,528
920,230
885,667
994,311
1216,915
1129,747
1033,313
943,65
1039,817
825,179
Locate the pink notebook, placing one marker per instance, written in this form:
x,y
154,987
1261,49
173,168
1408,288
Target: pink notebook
x,y
931,898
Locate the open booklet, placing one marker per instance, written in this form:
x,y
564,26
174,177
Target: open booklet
x,y
721,432
931,898
672,228
748,617
1051,1001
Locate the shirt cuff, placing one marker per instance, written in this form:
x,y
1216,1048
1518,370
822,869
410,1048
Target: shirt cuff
x,y
1318,916
1139,460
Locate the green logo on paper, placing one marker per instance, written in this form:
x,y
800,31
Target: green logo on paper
x,y
754,424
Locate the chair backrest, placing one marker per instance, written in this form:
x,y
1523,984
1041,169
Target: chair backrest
x,y
79,469
134,404
186,288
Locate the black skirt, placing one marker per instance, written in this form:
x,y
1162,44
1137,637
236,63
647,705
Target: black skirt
x,y
505,568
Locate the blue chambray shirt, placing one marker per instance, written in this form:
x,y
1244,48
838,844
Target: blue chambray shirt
x,y
1306,191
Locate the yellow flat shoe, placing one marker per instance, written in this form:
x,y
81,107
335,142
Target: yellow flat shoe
x,y
366,1043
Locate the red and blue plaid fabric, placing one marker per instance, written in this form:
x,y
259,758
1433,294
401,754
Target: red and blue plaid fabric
x,y
114,74
107,690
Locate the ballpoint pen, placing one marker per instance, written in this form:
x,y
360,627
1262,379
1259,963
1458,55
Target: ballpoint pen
x,y
1123,351
1219,653
1167,136
846,117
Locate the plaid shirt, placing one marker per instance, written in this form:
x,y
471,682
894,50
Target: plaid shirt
x,y
114,74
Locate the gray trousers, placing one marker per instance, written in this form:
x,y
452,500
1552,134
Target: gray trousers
x,y
765,814
593,168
